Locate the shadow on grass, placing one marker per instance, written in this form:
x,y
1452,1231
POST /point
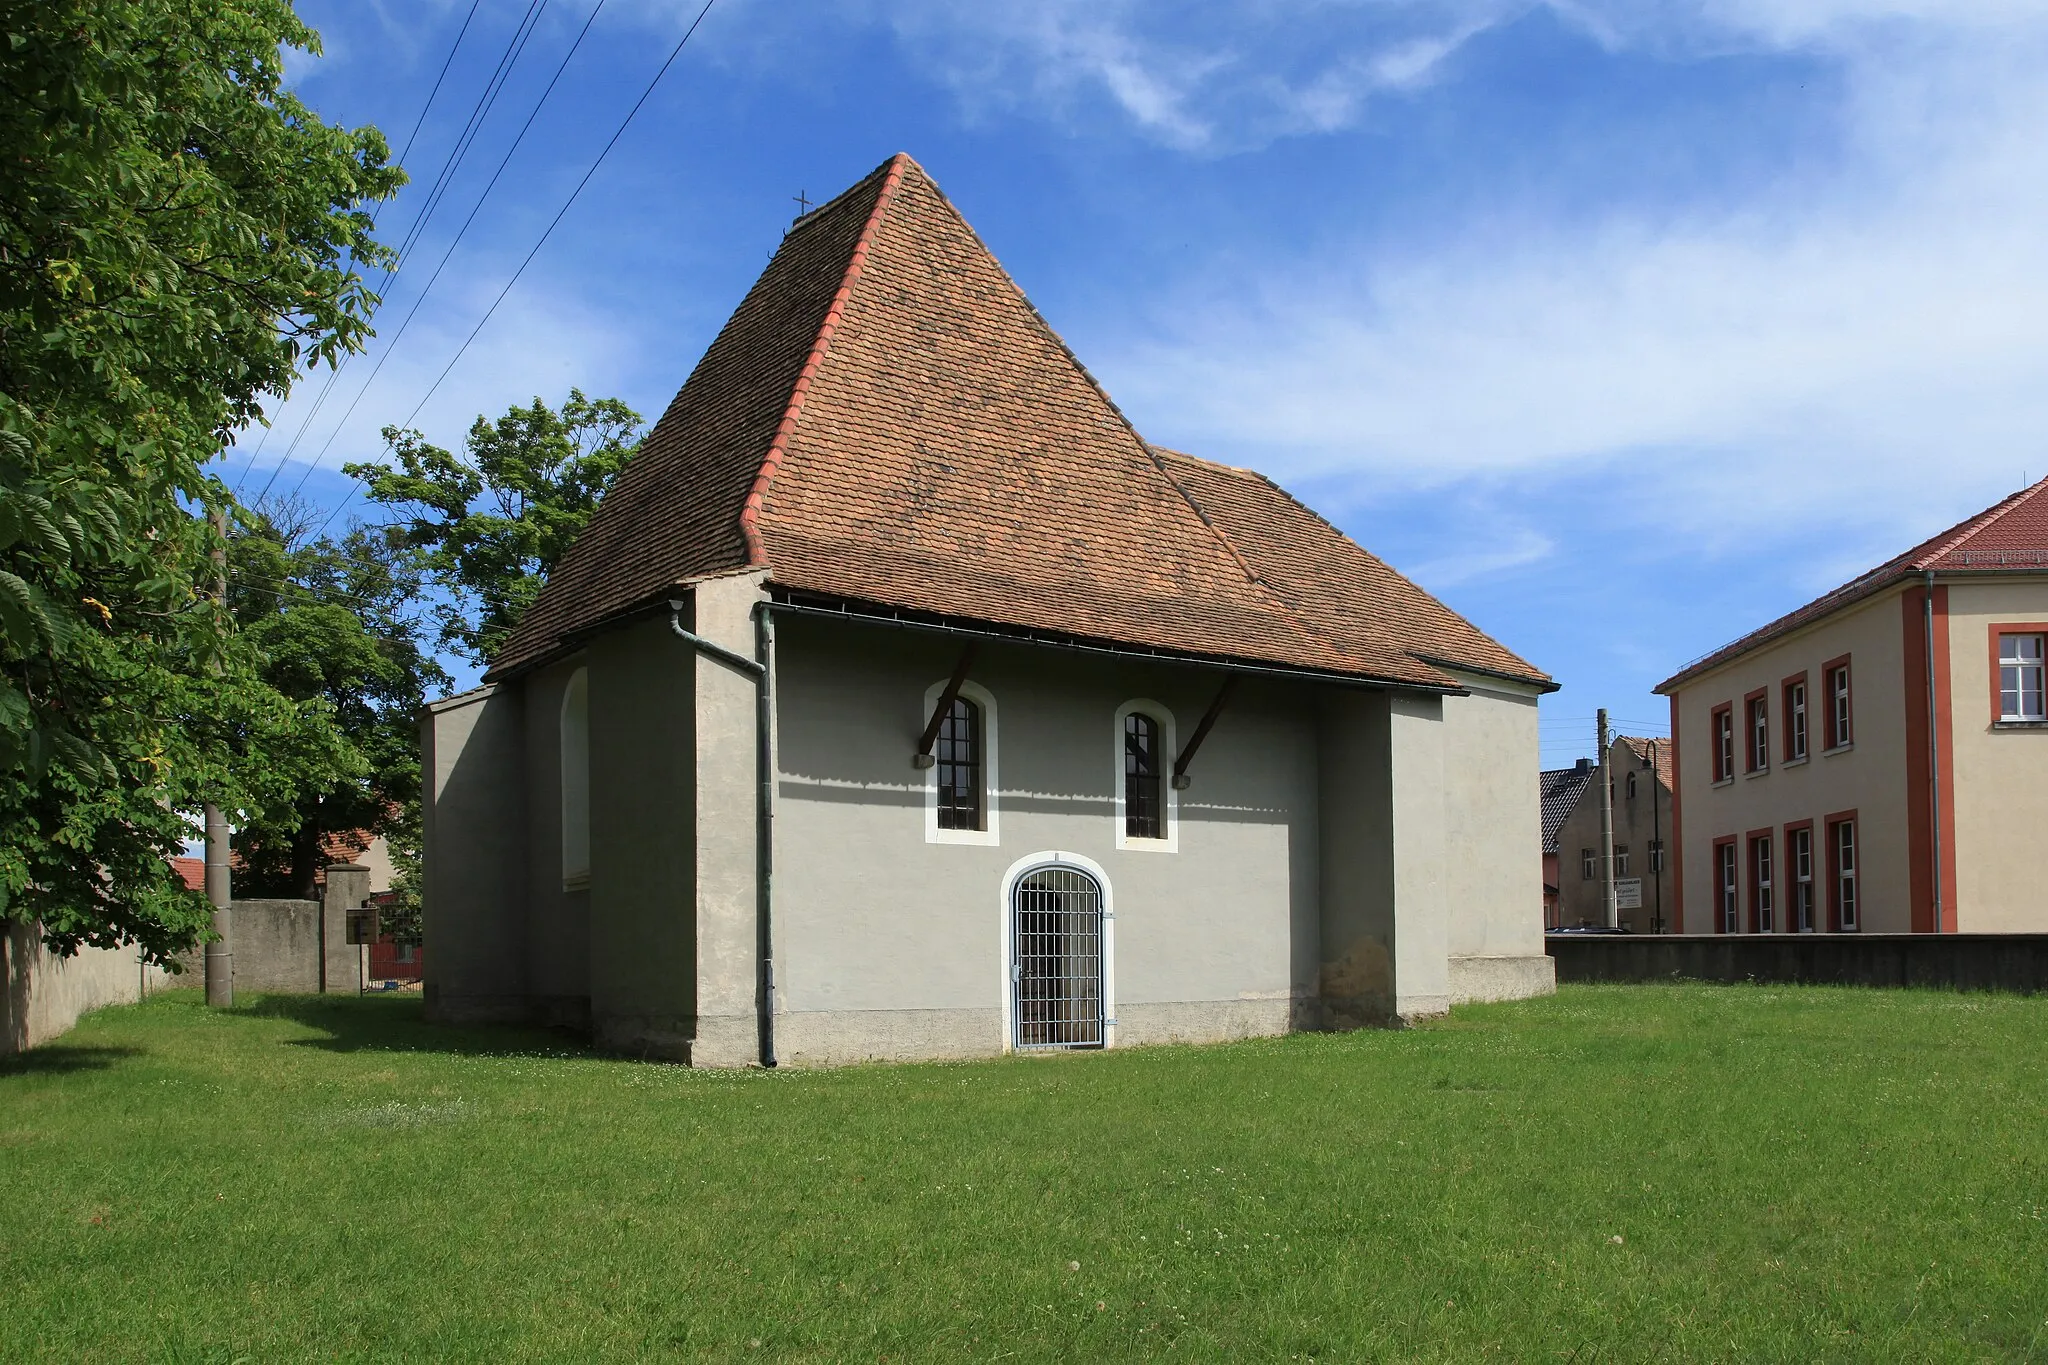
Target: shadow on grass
x,y
57,1060
386,1024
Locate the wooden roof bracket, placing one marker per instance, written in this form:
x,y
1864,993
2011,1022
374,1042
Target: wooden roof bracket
x,y
1181,780
923,758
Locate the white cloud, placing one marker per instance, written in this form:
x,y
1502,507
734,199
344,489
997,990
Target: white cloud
x,y
1865,341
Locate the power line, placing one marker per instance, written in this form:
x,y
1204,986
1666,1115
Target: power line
x,y
480,110
624,123
455,242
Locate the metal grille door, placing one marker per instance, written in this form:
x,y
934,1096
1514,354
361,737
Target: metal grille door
x,y
1056,963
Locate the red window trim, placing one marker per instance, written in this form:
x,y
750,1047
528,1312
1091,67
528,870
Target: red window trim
x,y
1726,708
1827,682
1749,701
1785,705
1993,631
1751,839
1721,886
1831,822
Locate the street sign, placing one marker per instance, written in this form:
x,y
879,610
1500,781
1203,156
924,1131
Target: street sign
x,y
1628,893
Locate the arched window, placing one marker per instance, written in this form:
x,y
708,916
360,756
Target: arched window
x,y
1146,806
576,780
1143,816
959,754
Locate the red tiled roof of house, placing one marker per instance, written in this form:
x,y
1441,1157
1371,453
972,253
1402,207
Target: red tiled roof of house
x,y
887,420
1642,749
2011,534
192,871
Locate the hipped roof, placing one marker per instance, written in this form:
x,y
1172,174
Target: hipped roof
x,y
2010,536
887,420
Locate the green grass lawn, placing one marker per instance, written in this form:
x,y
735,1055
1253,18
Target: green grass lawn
x,y
1619,1173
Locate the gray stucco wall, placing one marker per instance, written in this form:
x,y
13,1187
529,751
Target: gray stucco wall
x,y
874,923
43,995
474,764
642,841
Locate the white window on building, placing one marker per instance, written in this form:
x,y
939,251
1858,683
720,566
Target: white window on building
x,y
2022,681
1845,873
1731,915
575,744
1621,860
1799,853
1759,735
1760,884
1795,719
1631,786
1724,744
1589,864
1656,855
1839,732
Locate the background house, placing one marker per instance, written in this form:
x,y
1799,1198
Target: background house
x,y
1559,790
1878,759
1639,772
901,701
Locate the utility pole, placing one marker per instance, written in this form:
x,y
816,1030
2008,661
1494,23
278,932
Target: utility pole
x,y
1609,911
1657,857
220,956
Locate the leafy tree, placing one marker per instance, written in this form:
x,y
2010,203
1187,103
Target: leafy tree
x,y
492,523
178,234
334,622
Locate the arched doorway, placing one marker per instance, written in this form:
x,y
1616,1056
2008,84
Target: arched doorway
x,y
1056,959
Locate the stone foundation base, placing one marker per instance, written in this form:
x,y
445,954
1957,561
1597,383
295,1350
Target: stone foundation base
x,y
447,1007
654,1037
845,1037
1475,979
1202,1021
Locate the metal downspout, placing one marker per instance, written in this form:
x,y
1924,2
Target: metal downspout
x,y
1933,749
764,828
757,668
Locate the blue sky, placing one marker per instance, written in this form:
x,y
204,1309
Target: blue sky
x,y
1622,327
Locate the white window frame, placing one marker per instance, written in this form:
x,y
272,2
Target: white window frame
x,y
1731,893
1169,750
1759,721
2013,663
1631,786
1589,864
1847,890
1621,860
1724,744
1799,854
1795,720
1841,715
574,780
990,835
1763,872
1656,855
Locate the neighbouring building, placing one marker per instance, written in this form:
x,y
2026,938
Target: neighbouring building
x,y
1639,772
1878,759
902,701
1558,790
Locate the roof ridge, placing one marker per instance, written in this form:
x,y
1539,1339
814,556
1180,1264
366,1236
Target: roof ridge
x,y
750,509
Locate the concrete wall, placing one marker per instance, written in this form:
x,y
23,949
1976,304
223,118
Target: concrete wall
x,y
277,945
891,944
2001,771
474,804
1493,816
45,994
1868,777
2006,962
1637,823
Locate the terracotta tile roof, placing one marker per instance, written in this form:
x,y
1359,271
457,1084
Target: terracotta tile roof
x,y
886,419
1561,789
1640,747
192,871
2012,534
